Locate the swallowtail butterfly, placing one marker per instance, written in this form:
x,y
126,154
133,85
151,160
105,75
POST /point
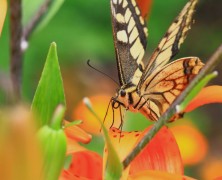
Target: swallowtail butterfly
x,y
151,88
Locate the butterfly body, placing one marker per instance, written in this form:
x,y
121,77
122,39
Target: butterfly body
x,y
150,89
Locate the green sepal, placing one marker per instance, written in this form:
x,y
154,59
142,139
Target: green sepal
x,y
53,144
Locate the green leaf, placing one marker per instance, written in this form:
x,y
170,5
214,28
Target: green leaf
x,y
113,166
30,8
196,90
49,93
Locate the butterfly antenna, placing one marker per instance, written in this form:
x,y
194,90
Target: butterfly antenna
x,y
88,62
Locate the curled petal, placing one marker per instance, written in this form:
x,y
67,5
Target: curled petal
x,y
85,164
77,134
157,175
210,94
162,153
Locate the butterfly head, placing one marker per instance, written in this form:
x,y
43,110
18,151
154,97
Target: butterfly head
x,y
120,99
116,101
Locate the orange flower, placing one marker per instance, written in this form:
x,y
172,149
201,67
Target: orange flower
x,y
159,159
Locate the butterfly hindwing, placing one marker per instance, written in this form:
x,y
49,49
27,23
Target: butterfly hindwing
x,y
170,43
166,84
130,33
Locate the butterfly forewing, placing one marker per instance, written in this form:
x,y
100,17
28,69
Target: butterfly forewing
x,y
130,33
170,44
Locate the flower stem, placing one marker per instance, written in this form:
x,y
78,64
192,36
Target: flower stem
x,y
15,46
212,62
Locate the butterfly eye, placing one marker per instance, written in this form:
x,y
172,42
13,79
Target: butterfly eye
x,y
122,93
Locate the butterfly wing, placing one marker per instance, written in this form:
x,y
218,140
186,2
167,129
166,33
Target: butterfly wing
x,y
164,85
170,43
130,33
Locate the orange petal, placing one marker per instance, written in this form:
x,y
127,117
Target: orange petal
x,y
3,5
162,153
123,142
157,175
144,6
85,164
77,134
73,146
210,94
100,105
193,145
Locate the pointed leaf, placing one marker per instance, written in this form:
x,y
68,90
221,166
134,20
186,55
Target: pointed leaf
x,y
49,93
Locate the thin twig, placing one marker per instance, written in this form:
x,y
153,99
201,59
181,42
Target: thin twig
x,y
6,85
15,45
18,35
36,19
213,61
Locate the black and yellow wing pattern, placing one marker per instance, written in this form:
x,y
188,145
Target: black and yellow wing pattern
x,y
130,34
